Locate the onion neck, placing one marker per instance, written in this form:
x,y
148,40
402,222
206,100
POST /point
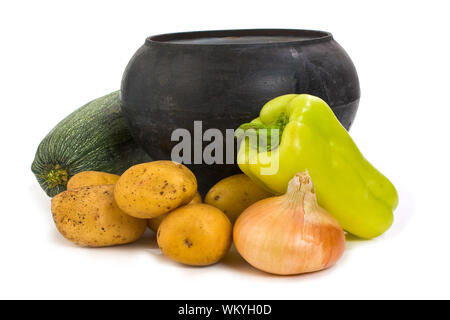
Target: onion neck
x,y
300,192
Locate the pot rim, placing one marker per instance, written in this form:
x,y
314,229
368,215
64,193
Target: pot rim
x,y
314,36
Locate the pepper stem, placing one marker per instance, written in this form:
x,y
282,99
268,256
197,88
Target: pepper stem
x,y
268,137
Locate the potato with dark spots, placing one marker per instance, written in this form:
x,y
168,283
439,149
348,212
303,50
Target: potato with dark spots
x,y
148,190
234,194
154,223
90,217
91,178
195,234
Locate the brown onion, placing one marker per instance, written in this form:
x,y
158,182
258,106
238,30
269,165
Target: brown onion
x,y
289,234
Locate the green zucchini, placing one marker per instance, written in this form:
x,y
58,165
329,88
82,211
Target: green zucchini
x,y
94,137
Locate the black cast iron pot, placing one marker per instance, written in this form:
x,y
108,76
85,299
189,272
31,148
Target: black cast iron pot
x,y
223,78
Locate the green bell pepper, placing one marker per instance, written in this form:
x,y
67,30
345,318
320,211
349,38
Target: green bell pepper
x,y
310,137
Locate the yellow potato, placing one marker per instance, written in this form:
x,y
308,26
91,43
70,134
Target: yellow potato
x,y
196,234
154,223
234,194
148,190
88,216
91,178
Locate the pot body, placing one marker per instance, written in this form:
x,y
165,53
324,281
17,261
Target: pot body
x,y
171,82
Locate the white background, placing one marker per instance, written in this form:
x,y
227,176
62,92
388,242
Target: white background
x,y
57,55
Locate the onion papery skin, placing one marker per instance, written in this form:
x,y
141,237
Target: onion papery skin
x,y
285,238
